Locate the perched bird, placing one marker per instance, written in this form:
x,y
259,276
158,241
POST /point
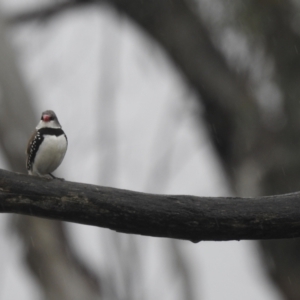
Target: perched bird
x,y
47,146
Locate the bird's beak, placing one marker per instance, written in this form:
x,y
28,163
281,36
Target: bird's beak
x,y
46,118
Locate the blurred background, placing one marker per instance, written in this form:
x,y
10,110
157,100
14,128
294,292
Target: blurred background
x,y
162,96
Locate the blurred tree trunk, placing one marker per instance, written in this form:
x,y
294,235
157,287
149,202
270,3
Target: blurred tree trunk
x,y
259,159
275,21
51,259
59,272
273,164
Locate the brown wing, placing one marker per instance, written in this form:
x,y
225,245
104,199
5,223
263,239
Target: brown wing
x,y
29,152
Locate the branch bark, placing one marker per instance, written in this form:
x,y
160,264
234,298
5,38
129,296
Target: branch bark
x,y
173,216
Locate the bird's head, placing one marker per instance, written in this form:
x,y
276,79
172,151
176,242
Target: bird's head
x,y
48,119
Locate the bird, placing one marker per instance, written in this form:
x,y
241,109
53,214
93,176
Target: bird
x,y
47,146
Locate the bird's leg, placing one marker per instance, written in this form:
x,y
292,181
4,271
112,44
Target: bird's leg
x,y
53,177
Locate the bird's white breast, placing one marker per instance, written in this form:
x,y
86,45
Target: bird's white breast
x,y
50,154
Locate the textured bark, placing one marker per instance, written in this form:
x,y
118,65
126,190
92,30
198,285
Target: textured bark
x,y
174,216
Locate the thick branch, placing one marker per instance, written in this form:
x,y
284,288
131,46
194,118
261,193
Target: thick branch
x,y
174,216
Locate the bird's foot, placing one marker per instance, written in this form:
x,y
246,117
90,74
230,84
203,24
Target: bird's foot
x,y
53,177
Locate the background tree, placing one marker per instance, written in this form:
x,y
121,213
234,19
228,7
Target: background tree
x,y
237,62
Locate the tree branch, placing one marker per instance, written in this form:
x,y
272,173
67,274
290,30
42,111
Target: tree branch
x,y
173,216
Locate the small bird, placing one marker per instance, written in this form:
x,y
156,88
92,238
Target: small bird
x,y
47,146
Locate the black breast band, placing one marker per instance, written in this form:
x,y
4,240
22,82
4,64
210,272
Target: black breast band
x,y
51,131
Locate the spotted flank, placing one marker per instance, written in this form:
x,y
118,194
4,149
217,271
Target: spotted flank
x,y
37,139
33,146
